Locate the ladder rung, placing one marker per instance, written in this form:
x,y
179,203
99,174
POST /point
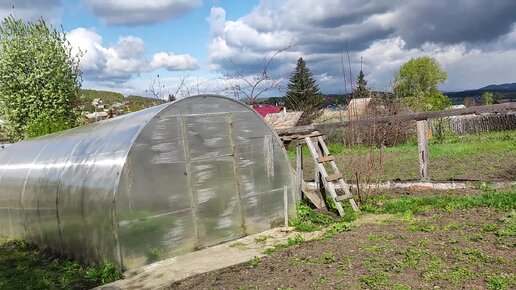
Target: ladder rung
x,y
311,135
333,177
325,159
343,197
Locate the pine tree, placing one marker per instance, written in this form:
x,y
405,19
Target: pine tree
x,y
303,94
362,91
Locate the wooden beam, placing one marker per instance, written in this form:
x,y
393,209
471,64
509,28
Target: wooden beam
x,y
422,145
313,196
325,159
497,108
299,171
333,177
310,193
343,198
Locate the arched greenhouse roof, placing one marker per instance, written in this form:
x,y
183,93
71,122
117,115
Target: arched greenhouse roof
x,y
169,179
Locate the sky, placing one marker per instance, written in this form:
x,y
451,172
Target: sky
x,y
211,46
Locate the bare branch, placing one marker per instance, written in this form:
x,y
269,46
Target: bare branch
x,y
251,87
182,86
155,88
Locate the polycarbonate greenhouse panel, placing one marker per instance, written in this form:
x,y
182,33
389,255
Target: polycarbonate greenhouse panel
x,y
148,185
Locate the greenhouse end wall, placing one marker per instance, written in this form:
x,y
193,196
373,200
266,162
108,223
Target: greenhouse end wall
x,y
148,185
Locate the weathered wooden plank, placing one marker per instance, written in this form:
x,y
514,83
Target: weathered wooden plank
x,y
311,194
301,137
333,177
422,146
497,108
325,159
343,197
299,170
318,177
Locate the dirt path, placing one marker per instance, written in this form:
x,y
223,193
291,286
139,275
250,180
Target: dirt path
x,y
463,249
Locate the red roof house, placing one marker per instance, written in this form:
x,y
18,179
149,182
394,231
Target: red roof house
x,y
264,110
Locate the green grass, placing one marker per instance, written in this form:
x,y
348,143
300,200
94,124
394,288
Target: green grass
x,y
261,239
308,220
298,239
155,254
509,226
501,281
254,262
24,266
502,200
375,280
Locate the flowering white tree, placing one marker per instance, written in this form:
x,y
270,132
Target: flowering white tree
x,y
40,79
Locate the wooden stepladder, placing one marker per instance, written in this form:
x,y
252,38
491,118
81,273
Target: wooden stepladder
x,y
321,155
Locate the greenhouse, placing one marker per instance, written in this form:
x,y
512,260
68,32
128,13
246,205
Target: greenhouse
x,y
148,185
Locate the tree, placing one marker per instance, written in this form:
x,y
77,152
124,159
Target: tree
x,y
303,94
157,90
40,79
416,83
361,91
488,98
497,96
250,87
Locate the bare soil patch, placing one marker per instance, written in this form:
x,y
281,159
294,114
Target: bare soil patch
x,y
459,249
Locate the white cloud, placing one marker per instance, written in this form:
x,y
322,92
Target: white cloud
x,y
473,51
130,46
87,42
136,12
125,59
217,20
173,62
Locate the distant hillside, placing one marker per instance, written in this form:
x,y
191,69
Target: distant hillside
x,y
503,87
106,96
138,102
109,98
507,92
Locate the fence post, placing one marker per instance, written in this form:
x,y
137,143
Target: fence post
x,y
299,170
422,146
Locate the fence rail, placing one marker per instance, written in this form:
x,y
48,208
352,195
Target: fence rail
x,y
498,108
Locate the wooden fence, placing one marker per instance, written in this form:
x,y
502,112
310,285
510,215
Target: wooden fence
x,y
503,112
474,123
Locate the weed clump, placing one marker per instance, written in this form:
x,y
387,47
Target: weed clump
x,y
40,269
